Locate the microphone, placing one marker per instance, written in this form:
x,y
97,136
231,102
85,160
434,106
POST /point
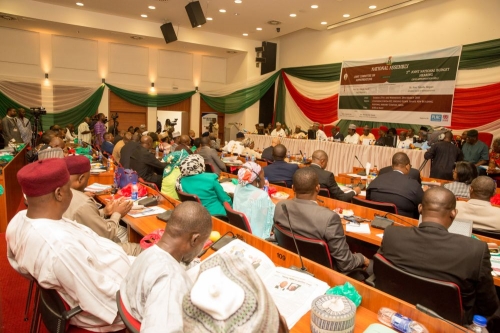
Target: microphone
x,y
400,219
302,269
431,313
362,172
202,253
301,153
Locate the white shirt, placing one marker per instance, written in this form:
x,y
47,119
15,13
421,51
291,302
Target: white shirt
x,y
320,135
153,291
72,259
352,138
234,147
83,127
404,144
69,136
281,133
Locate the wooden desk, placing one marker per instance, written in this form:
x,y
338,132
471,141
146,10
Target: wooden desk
x,y
13,195
105,178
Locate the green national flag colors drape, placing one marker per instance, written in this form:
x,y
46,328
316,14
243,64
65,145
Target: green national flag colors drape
x,y
150,100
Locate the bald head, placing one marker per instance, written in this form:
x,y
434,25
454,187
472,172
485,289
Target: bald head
x,y
320,158
400,159
57,142
127,137
483,188
275,141
205,141
438,205
146,141
279,152
305,181
185,140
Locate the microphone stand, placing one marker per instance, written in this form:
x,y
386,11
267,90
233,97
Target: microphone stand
x,y
431,313
362,172
302,269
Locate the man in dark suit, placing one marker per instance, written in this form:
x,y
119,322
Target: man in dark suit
x,y
431,251
413,174
145,163
308,219
267,154
280,170
444,154
319,161
128,149
210,155
397,187
184,142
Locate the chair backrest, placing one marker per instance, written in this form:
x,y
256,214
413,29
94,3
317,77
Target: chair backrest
x,y
324,192
209,168
487,233
261,162
237,219
148,184
54,311
442,297
485,137
132,324
375,133
383,206
279,183
313,249
183,196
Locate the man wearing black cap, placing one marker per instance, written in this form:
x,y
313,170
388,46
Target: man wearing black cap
x,y
475,151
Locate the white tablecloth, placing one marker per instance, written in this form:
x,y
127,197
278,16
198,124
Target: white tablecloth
x,y
341,155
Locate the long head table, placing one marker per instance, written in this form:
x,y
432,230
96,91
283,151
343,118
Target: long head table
x,y
341,156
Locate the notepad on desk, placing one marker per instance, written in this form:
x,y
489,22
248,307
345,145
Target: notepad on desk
x,y
362,228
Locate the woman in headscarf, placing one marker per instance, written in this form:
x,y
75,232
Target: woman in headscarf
x,y
249,145
252,201
194,180
172,172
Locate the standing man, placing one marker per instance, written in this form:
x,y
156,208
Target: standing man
x,y
24,126
11,132
320,135
278,131
99,129
443,154
367,134
475,151
336,135
70,133
352,137
84,133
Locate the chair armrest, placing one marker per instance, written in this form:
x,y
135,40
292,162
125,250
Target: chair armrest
x,y
66,315
371,281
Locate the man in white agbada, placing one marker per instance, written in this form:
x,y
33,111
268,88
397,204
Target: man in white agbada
x,y
154,288
85,269
352,136
278,131
320,135
235,146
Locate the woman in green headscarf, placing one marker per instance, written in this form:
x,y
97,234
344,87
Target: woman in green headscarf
x,y
172,172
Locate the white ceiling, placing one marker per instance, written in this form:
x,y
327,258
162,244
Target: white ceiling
x,y
251,15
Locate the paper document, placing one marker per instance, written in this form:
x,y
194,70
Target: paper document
x,y
228,187
96,187
363,228
495,263
355,175
147,211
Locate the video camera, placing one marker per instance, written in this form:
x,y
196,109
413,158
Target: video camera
x,y
37,112
115,116
173,123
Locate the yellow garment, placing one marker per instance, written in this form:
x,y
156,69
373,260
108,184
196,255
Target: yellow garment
x,y
168,184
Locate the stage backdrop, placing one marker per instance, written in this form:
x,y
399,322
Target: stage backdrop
x,y
412,89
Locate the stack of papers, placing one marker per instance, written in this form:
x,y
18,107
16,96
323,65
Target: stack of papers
x,y
362,228
147,211
96,187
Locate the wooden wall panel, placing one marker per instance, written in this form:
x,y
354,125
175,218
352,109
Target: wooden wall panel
x,y
121,105
221,118
128,114
185,105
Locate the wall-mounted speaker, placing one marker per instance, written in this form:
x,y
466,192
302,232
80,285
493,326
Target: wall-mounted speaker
x,y
168,33
195,14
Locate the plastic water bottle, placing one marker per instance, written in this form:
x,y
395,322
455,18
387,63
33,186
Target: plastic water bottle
x,y
109,164
478,324
100,156
305,158
266,185
135,191
253,158
247,158
399,322
157,154
288,156
222,155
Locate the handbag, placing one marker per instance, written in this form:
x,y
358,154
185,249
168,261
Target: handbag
x,y
123,177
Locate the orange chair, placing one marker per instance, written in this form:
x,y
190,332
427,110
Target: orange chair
x,y
183,196
237,219
383,206
132,324
375,133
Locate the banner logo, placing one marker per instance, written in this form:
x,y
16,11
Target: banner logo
x,y
436,117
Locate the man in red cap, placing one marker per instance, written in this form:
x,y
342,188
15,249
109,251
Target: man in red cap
x,y
83,209
85,269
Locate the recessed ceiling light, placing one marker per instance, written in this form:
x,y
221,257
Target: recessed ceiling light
x,y
314,6
222,10
245,35
151,7
372,7
79,4
236,14
238,1
293,15
199,26
324,23
144,15
259,29
346,15
209,19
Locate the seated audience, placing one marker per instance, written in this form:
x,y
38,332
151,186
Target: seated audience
x,y
494,163
367,135
117,149
84,268
196,145
144,162
267,153
475,150
210,156
128,149
280,170
153,290
214,141
463,175
229,296
308,219
396,187
192,136
194,180
176,136
320,135
172,172
251,200
249,145
444,155
382,132
299,133
403,141
429,250
479,209
268,129
184,141
83,209
164,144
235,146
411,135
119,136
336,135
327,179
57,142
413,174
70,133
352,136
278,131
107,146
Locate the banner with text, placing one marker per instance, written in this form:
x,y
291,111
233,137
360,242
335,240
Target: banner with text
x,y
412,89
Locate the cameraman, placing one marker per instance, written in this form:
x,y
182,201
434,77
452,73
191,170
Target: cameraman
x,y
100,129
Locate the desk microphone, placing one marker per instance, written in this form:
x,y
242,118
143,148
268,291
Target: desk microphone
x,y
301,153
431,313
202,253
362,172
302,269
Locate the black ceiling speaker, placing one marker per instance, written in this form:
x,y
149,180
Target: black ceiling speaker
x,y
195,14
168,32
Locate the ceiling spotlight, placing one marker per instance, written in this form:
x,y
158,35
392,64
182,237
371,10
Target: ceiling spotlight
x,y
372,7
293,15
79,4
209,19
152,7
144,15
222,10
245,34
259,29
324,23
314,6
238,1
346,15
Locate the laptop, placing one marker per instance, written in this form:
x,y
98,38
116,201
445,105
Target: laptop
x,y
459,227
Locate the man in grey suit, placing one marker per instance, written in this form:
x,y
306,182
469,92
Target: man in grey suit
x,y
210,156
10,129
308,219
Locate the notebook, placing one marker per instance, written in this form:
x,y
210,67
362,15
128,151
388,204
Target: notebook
x,y
459,227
